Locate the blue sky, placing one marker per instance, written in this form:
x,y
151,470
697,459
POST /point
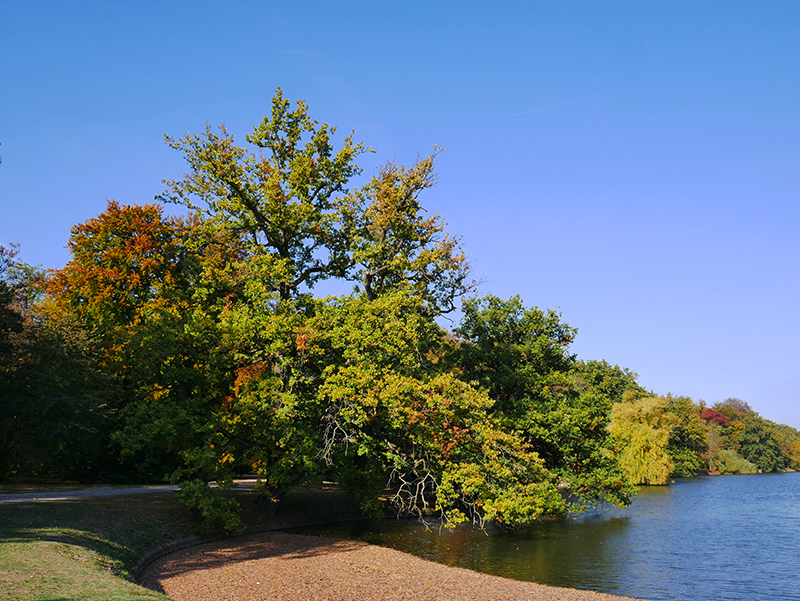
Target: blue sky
x,y
635,165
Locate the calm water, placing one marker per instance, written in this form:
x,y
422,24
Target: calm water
x,y
701,539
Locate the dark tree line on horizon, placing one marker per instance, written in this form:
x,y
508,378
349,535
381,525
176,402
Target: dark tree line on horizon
x,y
194,348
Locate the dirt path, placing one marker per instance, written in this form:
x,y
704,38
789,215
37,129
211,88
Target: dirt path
x,y
99,491
71,495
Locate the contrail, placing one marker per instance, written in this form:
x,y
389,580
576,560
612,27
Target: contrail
x,y
541,108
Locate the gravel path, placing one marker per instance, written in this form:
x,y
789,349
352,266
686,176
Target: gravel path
x,y
100,491
288,567
88,493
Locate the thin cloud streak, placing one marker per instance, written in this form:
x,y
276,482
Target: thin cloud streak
x,y
541,108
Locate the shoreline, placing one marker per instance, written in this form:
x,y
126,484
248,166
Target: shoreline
x,y
266,562
291,566
280,566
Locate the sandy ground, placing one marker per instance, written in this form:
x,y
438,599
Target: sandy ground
x,y
280,566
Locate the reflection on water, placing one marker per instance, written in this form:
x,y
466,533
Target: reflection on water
x,y
701,539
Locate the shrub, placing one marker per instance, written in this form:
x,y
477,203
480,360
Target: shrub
x,y
728,462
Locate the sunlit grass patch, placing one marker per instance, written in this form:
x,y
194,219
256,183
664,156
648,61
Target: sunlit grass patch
x,y
86,548
37,570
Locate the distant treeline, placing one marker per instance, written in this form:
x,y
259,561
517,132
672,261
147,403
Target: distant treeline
x,y
194,348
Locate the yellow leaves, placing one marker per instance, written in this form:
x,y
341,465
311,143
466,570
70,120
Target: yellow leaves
x,y
260,466
159,392
642,427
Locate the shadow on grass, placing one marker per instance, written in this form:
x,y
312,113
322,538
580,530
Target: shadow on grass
x,y
123,529
120,529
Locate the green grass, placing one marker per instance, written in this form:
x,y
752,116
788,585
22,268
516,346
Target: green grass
x,y
50,571
85,549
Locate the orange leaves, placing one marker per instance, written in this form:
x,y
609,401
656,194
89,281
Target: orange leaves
x,y
247,374
303,338
301,342
122,259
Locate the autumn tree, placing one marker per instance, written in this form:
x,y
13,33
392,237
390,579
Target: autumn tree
x,y
279,199
122,260
130,287
393,244
710,416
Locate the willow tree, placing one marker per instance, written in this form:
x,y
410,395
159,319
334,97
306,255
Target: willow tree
x,y
641,429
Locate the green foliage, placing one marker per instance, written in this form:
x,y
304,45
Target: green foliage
x,y
353,390
521,358
279,199
56,413
176,370
641,429
611,381
217,511
53,404
512,351
393,245
759,444
687,440
728,462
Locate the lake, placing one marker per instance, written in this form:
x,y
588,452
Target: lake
x,y
700,539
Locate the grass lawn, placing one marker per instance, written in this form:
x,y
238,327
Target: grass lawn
x,y
85,549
